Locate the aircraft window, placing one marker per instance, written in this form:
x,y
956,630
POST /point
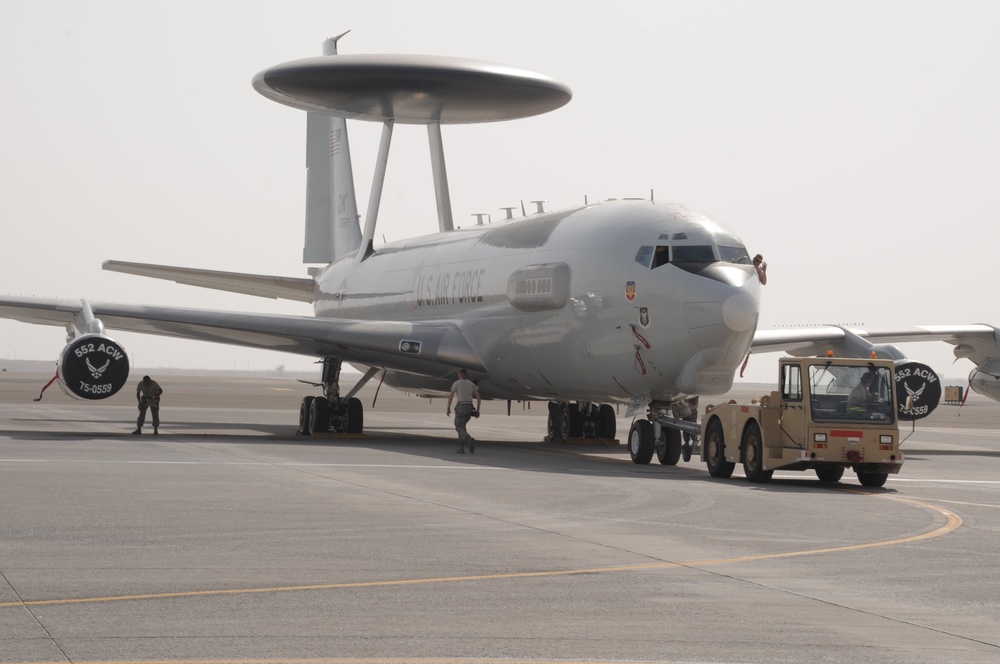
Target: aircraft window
x,y
680,236
736,255
661,256
643,255
693,254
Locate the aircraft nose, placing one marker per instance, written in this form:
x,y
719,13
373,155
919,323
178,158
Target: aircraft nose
x,y
732,275
735,288
739,312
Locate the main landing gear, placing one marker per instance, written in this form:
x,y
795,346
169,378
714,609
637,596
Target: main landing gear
x,y
649,437
581,420
332,412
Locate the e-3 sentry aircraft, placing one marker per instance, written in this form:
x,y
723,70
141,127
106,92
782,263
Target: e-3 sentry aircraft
x,y
626,302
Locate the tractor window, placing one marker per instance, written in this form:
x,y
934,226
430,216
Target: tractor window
x,y
791,382
851,393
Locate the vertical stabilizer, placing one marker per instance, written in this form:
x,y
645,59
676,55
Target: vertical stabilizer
x,y
333,229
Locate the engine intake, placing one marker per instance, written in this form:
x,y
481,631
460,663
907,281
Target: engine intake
x,y
985,379
93,366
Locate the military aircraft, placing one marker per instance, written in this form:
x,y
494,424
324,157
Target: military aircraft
x,y
630,302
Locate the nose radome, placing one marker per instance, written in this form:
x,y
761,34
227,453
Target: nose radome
x,y
739,312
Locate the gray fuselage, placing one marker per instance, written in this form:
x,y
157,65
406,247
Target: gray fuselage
x,y
616,302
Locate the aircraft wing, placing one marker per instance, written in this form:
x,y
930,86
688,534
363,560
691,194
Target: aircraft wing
x,y
418,347
979,343
287,288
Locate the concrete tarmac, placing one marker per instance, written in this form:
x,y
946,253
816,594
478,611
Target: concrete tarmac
x,y
227,538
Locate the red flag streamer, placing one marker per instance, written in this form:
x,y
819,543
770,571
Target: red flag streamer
x,y
746,361
52,380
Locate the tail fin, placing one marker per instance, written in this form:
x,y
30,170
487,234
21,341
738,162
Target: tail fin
x,y
333,228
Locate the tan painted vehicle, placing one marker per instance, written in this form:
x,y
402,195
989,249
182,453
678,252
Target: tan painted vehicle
x,y
828,414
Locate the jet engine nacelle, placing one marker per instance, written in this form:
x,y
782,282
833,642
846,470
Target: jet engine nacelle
x,y
93,366
985,379
918,387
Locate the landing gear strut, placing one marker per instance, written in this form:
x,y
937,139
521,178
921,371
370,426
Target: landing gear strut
x,y
650,436
331,412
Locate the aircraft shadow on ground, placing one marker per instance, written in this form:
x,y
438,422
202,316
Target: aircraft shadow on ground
x,y
440,448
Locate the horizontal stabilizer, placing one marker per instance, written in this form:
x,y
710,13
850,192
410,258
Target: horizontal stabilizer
x,y
260,285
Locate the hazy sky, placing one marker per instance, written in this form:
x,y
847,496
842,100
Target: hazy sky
x,y
854,144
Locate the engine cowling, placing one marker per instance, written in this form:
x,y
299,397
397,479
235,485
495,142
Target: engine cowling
x,y
985,379
93,366
918,384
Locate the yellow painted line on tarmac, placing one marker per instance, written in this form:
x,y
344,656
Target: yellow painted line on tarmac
x,y
370,660
952,521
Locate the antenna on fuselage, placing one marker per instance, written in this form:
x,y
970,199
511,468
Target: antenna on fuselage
x,y
410,89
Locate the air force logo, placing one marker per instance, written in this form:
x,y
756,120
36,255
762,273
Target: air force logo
x,y
97,372
629,290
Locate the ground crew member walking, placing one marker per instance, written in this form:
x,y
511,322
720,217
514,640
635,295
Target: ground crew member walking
x,y
465,390
147,393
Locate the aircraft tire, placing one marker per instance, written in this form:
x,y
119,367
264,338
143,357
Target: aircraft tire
x,y
753,455
304,410
715,452
829,473
575,421
355,416
668,448
552,425
319,415
873,480
607,420
640,442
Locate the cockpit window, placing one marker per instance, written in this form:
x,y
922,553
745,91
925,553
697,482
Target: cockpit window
x,y
661,256
736,255
693,254
643,255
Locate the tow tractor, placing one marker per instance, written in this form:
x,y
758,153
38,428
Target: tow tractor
x,y
828,414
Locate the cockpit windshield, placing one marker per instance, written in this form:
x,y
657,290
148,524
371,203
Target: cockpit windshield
x,y
736,255
693,249
692,253
691,257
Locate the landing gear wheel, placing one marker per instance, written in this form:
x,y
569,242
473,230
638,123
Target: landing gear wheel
x,y
668,447
319,415
607,421
552,425
575,421
753,455
552,428
640,441
565,422
355,416
305,424
686,452
829,473
715,452
873,480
